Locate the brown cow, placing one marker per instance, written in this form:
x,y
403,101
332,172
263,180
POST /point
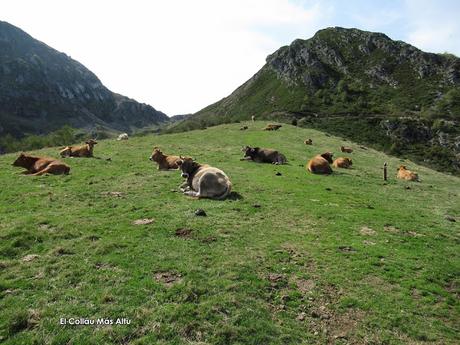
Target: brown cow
x,y
342,162
261,155
346,149
272,127
164,162
204,181
79,151
37,166
308,142
405,174
320,164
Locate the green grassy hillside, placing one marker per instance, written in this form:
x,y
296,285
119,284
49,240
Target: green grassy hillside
x,y
289,259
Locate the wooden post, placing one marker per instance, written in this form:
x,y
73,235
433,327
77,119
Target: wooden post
x,y
385,171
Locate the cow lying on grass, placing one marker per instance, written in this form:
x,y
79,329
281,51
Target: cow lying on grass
x,y
261,155
203,181
308,142
164,162
405,174
346,149
79,151
342,162
320,164
272,127
37,166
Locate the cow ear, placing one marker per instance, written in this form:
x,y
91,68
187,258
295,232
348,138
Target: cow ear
x,y
179,162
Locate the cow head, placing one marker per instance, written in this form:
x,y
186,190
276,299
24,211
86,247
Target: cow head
x,y
157,155
24,160
187,166
91,142
401,167
249,151
348,160
328,156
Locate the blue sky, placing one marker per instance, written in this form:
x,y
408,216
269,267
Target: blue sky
x,y
181,55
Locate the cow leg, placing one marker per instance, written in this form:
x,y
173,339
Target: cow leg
x,y
192,193
50,169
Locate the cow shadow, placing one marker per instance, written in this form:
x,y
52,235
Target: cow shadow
x,y
234,196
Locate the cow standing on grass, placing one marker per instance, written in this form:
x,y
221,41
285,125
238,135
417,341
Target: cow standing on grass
x,y
204,181
79,151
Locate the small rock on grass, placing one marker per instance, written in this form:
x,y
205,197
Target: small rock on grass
x,y
200,213
449,218
30,257
144,221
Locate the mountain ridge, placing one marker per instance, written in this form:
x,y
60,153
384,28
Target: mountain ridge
x,y
42,89
346,80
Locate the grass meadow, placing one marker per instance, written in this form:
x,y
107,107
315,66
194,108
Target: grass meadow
x,y
289,258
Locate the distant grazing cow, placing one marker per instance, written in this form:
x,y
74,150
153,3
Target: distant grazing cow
x,y
320,164
342,162
261,155
253,118
204,181
244,128
272,127
308,142
79,151
346,149
37,166
123,136
405,174
164,162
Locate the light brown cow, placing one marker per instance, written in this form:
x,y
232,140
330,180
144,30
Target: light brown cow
x,y
79,151
37,166
346,149
164,162
405,174
320,164
342,162
272,127
308,142
204,181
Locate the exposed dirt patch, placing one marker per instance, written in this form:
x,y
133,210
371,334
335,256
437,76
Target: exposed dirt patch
x,y
366,231
168,278
391,229
144,221
209,239
304,285
184,232
30,257
276,280
347,249
115,194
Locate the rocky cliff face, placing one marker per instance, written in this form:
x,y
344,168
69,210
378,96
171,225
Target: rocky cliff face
x,y
42,89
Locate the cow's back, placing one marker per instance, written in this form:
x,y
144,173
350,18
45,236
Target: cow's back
x,y
319,165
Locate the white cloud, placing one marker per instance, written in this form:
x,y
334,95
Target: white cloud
x,y
178,56
433,25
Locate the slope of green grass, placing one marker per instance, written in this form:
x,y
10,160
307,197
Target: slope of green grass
x,y
289,259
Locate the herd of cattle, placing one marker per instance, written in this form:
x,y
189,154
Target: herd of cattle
x,y
202,180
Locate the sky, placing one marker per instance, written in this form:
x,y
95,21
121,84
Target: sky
x,y
180,56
